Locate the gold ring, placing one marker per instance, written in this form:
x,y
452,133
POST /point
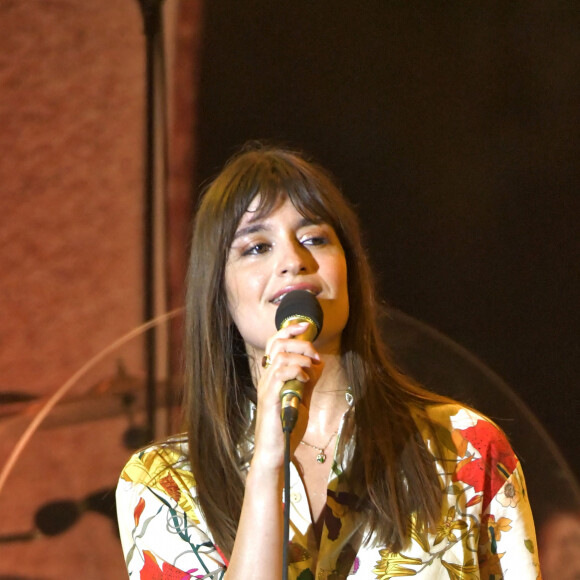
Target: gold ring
x,y
266,362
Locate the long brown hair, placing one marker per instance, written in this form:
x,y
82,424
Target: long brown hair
x,y
392,472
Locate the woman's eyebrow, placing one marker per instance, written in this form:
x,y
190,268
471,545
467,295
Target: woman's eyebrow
x,y
251,229
260,226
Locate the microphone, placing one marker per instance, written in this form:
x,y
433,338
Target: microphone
x,y
297,306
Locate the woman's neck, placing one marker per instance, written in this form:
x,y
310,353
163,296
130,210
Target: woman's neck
x,y
326,402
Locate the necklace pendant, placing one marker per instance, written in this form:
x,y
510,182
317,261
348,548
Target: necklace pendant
x,y
321,457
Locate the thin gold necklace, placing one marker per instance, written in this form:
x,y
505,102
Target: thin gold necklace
x,y
321,457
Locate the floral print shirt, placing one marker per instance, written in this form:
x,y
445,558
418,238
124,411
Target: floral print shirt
x,y
485,530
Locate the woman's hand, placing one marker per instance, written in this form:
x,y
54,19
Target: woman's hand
x,y
290,358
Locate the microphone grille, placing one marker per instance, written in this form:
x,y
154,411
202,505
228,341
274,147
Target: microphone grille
x,y
299,303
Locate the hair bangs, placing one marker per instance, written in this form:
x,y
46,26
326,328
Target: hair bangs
x,y
276,179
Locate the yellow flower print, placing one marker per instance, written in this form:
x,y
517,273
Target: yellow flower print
x,y
490,527
391,565
418,535
157,467
510,494
446,528
502,525
491,566
469,571
460,442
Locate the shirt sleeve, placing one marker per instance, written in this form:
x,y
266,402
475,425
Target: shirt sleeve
x,y
495,482
507,542
160,529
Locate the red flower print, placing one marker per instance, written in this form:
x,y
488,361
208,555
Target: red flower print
x,y
488,473
223,556
169,485
151,570
172,573
138,511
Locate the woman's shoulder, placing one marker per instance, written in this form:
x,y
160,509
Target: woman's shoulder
x,y
454,425
459,434
159,519
162,464
453,416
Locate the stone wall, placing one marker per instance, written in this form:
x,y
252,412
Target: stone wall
x,y
72,117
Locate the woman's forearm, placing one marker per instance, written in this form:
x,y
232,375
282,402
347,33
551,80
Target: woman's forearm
x,y
257,552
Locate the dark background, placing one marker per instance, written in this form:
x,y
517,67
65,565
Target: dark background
x,y
454,129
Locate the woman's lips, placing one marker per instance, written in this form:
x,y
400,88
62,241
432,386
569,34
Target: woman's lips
x,y
308,287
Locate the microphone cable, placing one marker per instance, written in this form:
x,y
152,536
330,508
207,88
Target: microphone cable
x,y
286,540
296,306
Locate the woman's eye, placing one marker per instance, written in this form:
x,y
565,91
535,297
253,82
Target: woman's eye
x,y
315,241
255,249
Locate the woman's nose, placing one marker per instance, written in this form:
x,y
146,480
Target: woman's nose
x,y
294,258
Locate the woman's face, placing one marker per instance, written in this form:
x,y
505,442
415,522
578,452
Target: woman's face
x,y
277,253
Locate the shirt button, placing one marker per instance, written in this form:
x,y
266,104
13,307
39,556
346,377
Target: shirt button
x,y
295,496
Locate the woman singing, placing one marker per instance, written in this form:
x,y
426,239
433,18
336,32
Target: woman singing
x,y
387,479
